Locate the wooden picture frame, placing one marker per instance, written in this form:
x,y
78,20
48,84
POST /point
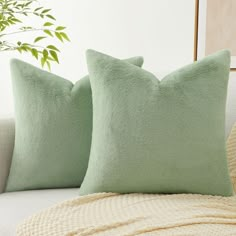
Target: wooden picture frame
x,y
204,29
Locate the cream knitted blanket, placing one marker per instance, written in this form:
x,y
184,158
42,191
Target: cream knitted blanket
x,y
135,214
231,150
140,214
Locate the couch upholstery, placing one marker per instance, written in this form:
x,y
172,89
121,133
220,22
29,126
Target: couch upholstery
x,y
17,205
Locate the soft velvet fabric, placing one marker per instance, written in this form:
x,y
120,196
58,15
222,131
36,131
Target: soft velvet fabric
x,y
154,136
7,134
53,121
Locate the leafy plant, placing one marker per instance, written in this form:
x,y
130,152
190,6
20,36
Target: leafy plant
x,y
14,12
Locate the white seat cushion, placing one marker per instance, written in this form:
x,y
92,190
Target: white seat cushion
x,y
16,206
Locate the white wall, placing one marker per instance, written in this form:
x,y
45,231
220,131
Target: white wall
x,y
159,30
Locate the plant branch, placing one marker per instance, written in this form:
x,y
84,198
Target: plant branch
x,y
10,10
26,31
16,12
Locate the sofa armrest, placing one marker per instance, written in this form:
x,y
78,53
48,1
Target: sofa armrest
x,y
7,136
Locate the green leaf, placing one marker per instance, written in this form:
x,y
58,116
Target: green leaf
x,y
51,17
48,32
34,53
54,55
38,8
4,23
23,48
39,38
43,61
45,54
27,4
64,35
11,22
58,35
53,48
45,11
16,20
2,28
48,24
19,50
49,65
50,59
60,28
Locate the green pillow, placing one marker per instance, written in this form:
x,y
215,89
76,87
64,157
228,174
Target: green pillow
x,y
154,136
53,128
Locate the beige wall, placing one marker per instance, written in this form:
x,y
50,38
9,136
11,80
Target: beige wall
x,y
220,25
159,30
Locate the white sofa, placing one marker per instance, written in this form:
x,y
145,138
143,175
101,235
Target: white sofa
x,y
16,206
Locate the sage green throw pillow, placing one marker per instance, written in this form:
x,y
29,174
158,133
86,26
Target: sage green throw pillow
x,y
154,136
53,120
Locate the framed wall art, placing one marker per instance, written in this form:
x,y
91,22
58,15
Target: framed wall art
x,y
215,28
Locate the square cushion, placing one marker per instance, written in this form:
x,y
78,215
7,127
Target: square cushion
x,y
53,119
154,136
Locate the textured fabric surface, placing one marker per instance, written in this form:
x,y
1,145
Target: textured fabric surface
x,y
135,214
154,136
53,121
38,200
16,206
7,134
231,151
